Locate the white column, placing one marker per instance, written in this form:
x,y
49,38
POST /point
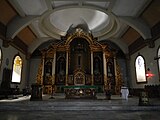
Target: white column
x,y
115,67
91,63
67,63
54,65
105,71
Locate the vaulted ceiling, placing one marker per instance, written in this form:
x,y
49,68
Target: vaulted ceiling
x,y
34,22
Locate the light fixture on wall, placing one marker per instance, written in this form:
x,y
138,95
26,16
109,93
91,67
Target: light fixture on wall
x,y
157,57
148,73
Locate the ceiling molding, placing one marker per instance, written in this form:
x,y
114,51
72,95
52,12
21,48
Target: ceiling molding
x,y
113,31
34,30
112,3
144,7
48,28
119,42
52,31
37,42
49,4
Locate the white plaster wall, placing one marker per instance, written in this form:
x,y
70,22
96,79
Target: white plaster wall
x,y
148,54
10,53
123,69
34,65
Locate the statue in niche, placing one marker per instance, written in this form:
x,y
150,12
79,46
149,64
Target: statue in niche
x,y
61,66
48,73
97,67
48,68
110,69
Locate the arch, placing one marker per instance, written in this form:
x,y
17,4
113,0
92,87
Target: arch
x,y
36,43
140,69
17,24
79,34
17,69
121,44
139,25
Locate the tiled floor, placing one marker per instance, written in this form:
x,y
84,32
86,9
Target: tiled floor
x,y
77,109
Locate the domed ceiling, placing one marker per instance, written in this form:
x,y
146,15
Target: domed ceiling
x,y
63,19
38,21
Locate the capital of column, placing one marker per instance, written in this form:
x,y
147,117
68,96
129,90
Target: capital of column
x,y
67,48
107,54
104,48
66,83
127,56
91,48
28,56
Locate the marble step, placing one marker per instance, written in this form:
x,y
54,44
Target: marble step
x,y
74,106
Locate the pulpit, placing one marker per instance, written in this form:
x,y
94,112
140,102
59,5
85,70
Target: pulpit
x,y
36,93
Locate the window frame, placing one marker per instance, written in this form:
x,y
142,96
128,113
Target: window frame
x,y
158,61
13,68
1,58
137,81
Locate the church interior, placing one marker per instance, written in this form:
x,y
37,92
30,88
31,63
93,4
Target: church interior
x,y
79,49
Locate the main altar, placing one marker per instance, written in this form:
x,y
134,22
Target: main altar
x,y
79,66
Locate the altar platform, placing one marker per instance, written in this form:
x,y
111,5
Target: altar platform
x,y
60,108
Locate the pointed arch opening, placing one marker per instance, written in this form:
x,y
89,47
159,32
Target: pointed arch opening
x,y
140,69
17,69
0,57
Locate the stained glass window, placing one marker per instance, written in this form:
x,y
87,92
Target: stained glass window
x,y
140,69
159,59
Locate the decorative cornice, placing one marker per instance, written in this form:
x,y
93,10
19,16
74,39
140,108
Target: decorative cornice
x,y
2,30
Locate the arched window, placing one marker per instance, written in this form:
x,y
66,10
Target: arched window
x,y
17,69
159,59
140,69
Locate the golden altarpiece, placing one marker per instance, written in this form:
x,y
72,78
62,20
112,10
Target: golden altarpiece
x,y
79,60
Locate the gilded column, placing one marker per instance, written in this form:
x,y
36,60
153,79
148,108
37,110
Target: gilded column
x,y
92,68
67,56
40,74
104,69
